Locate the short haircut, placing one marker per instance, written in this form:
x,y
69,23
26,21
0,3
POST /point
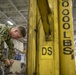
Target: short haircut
x,y
22,30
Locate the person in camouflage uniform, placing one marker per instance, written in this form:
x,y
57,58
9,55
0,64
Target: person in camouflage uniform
x,y
5,36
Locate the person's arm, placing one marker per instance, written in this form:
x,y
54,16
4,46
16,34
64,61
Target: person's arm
x,y
3,31
2,58
11,51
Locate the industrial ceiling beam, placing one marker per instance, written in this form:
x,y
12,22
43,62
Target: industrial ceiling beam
x,y
7,17
11,2
1,21
6,10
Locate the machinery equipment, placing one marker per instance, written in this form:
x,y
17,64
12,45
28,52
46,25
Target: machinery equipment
x,y
50,38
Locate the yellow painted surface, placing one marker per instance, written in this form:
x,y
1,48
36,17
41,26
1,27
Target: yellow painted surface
x,y
37,62
48,64
31,38
67,65
46,52
54,57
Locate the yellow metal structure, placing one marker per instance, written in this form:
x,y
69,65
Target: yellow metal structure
x,y
49,40
67,65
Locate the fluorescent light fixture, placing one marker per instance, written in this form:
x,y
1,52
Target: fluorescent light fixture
x,y
9,22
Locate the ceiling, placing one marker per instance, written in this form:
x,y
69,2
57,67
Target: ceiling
x,y
15,11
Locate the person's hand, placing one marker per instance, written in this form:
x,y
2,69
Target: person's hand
x,y
7,62
11,61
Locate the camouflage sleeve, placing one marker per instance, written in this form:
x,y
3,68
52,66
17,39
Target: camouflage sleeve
x,y
2,58
2,31
11,51
3,35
